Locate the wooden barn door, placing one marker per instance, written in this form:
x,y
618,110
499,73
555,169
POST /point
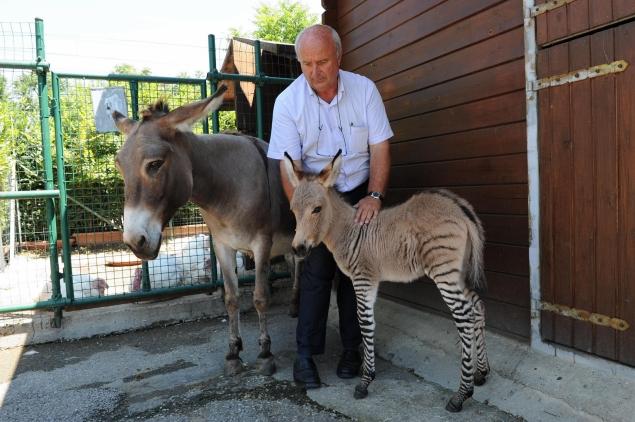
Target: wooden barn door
x,y
587,176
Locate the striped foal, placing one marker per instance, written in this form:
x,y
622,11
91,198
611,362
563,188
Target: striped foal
x,y
434,234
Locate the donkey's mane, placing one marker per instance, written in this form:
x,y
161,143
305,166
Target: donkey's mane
x,y
158,109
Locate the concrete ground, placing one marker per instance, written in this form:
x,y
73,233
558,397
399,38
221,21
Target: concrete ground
x,y
174,371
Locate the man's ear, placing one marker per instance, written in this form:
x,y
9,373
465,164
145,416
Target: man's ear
x,y
328,175
123,123
293,175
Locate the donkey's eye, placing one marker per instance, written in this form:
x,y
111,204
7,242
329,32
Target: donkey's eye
x,y
153,166
317,210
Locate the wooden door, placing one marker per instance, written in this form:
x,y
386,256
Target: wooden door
x,y
587,179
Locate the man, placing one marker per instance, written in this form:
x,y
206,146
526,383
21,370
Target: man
x,y
324,110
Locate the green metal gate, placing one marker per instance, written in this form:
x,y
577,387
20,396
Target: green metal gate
x,y
75,214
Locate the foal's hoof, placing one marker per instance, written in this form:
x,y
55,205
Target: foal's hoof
x,y
454,405
361,392
266,366
233,367
480,378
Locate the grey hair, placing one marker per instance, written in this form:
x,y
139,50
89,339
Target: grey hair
x,y
319,28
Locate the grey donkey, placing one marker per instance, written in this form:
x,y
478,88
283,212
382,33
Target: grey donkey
x,y
164,165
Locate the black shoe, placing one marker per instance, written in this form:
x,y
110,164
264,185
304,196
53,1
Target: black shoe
x,y
349,364
305,372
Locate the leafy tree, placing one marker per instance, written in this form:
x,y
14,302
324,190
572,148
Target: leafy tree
x,y
282,22
128,69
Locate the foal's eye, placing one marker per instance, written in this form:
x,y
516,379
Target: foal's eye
x,y
317,210
153,166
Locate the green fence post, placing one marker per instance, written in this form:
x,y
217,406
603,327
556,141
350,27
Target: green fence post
x,y
46,155
259,124
211,45
134,100
212,255
203,96
61,183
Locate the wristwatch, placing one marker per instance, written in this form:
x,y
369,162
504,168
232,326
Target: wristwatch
x,y
376,195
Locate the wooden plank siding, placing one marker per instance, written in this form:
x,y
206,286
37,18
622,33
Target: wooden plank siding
x,y
586,145
580,17
451,74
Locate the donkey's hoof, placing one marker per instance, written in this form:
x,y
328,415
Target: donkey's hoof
x,y
361,392
480,378
266,366
233,367
456,403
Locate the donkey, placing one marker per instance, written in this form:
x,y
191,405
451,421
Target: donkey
x,y
236,187
434,234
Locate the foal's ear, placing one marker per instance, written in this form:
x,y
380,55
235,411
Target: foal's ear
x,y
184,117
123,123
328,175
293,174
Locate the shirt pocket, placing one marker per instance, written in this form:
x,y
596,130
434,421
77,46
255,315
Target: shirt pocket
x,y
359,139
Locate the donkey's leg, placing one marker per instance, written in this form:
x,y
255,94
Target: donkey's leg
x,y
262,250
227,260
482,365
294,268
462,311
366,293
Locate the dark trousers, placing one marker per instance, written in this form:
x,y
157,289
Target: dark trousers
x,y
318,271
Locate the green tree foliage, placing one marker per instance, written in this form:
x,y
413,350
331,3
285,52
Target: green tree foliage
x,y
128,69
282,22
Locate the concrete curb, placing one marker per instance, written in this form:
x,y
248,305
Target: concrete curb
x,y
523,382
131,316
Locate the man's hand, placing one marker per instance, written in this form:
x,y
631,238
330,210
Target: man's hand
x,y
367,210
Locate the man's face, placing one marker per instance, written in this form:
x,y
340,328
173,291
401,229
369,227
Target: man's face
x,y
319,62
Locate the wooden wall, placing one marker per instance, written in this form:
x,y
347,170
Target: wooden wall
x,y
451,73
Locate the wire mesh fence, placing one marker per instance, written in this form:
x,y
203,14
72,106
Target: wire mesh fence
x,y
17,41
25,270
101,265
239,57
99,262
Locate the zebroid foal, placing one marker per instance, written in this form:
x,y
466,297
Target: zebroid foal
x,y
435,234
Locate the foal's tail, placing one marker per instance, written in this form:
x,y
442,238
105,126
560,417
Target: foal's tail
x,y
475,275
476,240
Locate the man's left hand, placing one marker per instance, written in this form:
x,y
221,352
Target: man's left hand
x,y
367,210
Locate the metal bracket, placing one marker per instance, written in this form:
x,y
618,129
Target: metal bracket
x,y
582,315
550,5
580,75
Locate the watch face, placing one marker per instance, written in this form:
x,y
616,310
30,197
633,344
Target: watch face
x,y
375,195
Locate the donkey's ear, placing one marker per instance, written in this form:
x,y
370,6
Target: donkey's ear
x,y
123,123
293,174
328,175
184,117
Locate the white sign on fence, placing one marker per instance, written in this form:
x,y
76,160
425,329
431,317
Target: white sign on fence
x,y
105,101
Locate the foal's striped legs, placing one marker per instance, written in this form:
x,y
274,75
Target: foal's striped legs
x,y
482,366
366,293
461,306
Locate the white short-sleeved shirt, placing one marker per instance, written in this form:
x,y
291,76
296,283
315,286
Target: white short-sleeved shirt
x,y
312,130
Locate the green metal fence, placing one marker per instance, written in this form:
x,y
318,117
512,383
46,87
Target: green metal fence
x,y
61,203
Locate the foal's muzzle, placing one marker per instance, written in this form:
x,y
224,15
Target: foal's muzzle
x,y
301,251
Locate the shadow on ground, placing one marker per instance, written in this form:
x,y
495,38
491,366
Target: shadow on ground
x,y
176,373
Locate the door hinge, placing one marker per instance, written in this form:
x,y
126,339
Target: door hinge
x,y
550,5
580,75
582,315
